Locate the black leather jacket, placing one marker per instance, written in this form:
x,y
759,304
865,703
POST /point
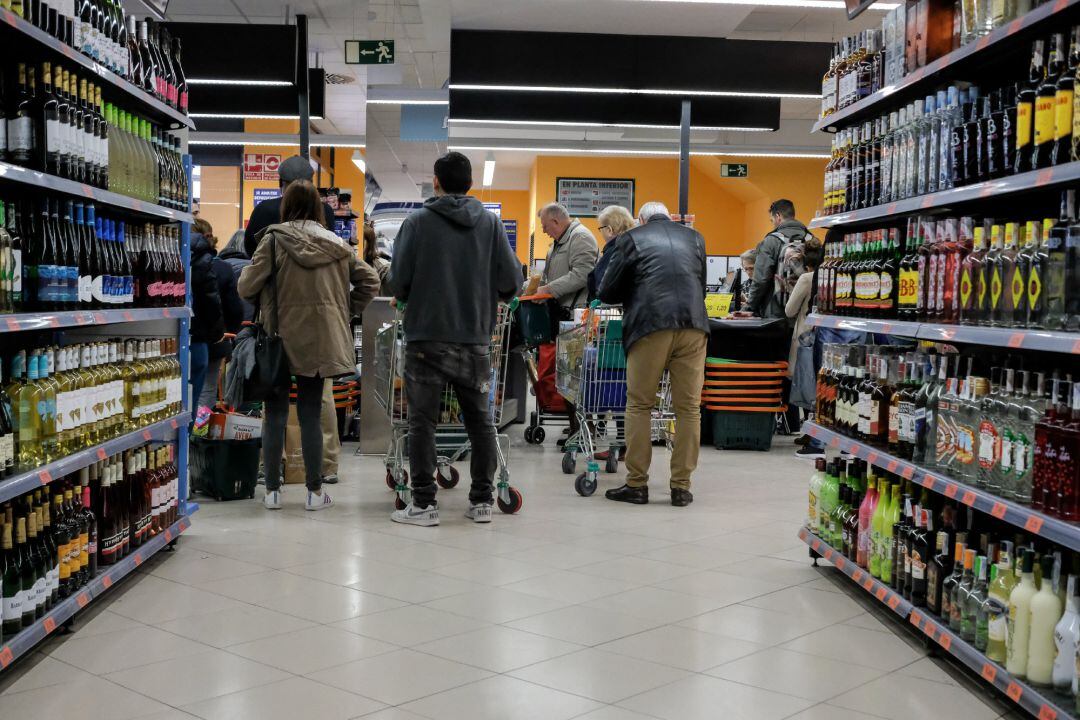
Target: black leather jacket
x,y
657,273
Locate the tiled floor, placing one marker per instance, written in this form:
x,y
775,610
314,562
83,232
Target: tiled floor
x,y
576,608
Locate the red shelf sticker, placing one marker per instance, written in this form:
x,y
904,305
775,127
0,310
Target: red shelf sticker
x,y
174,424
81,319
6,656
83,600
893,464
951,490
1076,348
857,576
881,594
872,458
840,563
45,477
998,510
12,325
908,472
107,581
146,435
816,545
138,559
894,601
101,454
1060,5
948,334
1014,691
927,202
168,536
886,328
1034,524
49,624
989,672
54,321
968,498
916,619
1016,340
868,585
945,640
1047,713
128,316
835,442
929,630
929,481
1044,177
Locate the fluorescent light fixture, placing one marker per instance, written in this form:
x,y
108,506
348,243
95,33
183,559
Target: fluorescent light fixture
x,y
358,161
276,143
229,81
635,91
246,116
387,101
489,170
567,123
820,4
632,151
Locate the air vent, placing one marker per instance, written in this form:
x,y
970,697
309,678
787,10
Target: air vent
x,y
338,79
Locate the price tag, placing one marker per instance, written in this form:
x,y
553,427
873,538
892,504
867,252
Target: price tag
x,y
1060,5
908,472
968,498
948,334
173,424
927,202
840,563
6,656
894,601
929,481
881,594
1034,524
717,305
107,581
1014,691
857,576
9,18
929,630
138,559
893,464
989,672
886,328
101,454
829,554
146,435
1016,340
82,319
49,624
868,585
1044,177
916,619
835,442
872,458
945,640
82,600
816,545
167,312
54,321
44,476
1047,713
12,325
983,42
1015,26
891,209
168,536
99,318
1075,349
128,316
998,510
951,490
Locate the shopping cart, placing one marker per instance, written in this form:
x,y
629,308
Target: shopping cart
x,y
533,326
591,373
452,440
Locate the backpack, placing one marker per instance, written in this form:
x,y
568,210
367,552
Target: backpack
x,y
790,264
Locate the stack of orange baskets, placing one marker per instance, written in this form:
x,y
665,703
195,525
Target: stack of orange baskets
x,y
741,399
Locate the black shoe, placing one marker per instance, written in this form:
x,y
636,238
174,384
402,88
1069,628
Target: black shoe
x,y
561,442
810,452
681,498
329,479
627,494
803,440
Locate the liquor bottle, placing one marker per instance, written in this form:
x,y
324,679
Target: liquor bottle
x,y
1045,108
20,122
28,576
976,612
971,272
1021,269
1045,612
939,569
1063,103
922,550
958,245
960,597
997,605
926,266
970,138
7,432
1019,624
1066,633
181,77
1068,462
1036,261
899,548
1045,446
865,518
1025,110
1056,269
1011,289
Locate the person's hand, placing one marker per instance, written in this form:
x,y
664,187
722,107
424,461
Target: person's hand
x,y
542,290
742,314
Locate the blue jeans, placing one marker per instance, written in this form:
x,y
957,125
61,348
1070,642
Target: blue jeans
x,y
200,359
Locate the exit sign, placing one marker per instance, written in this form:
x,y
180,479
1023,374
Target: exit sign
x,y
369,52
734,170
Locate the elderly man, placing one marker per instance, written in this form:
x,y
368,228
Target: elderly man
x,y
657,272
570,259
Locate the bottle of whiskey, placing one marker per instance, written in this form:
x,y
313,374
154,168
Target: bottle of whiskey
x,y
1025,110
1045,97
1063,103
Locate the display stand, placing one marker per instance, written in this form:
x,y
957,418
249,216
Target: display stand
x,y
16,32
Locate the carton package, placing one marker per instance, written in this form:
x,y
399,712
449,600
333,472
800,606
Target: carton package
x,y
234,426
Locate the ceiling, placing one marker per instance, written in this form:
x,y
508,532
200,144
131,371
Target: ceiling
x,y
421,31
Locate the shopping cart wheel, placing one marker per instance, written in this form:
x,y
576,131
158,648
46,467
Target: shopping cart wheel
x,y
390,480
529,435
612,464
538,435
569,463
515,502
399,504
447,481
585,484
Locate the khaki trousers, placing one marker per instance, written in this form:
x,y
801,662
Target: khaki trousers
x,y
331,440
682,353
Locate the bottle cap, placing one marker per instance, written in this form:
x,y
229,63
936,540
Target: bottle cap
x,y
1028,563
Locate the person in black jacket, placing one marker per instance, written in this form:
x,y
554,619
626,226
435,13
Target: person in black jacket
x,y
268,212
208,321
657,273
232,310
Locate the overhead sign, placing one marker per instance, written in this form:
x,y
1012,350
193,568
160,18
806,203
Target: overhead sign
x,y
495,208
369,52
734,170
511,233
261,194
261,166
586,197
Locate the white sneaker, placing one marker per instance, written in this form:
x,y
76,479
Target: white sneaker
x,y
412,515
317,501
479,513
272,500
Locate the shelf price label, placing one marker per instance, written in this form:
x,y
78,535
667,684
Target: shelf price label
x,y
989,672
841,563
916,619
893,464
998,510
881,594
951,490
173,424
168,536
6,656
146,435
857,576
1016,340
107,581
1047,713
1014,691
101,454
1034,524
82,600
45,477
138,559
945,640
968,498
894,601
872,458
868,585
50,624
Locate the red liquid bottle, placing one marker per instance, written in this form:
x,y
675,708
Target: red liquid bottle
x,y
1068,460
955,251
1045,465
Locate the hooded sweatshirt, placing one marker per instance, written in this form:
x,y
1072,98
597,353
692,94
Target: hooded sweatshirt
x,y
312,303
452,265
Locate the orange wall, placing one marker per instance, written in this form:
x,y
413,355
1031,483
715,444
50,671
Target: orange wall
x,y
515,206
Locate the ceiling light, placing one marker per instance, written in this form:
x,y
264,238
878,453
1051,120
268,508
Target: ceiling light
x,y
635,91
228,81
246,116
489,169
820,4
358,161
567,123
389,101
631,151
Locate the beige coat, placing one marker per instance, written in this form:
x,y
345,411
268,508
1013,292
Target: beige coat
x,y
314,272
570,260
798,305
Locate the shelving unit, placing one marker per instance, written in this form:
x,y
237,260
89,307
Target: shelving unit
x,y
1042,704
13,27
16,32
25,641
1015,338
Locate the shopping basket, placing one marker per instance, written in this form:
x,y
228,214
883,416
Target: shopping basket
x,y
742,399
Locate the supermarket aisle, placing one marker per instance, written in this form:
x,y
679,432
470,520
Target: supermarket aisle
x,y
578,608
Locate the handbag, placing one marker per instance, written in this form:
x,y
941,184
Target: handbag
x,y
270,373
804,377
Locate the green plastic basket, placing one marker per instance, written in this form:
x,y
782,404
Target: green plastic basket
x,y
734,430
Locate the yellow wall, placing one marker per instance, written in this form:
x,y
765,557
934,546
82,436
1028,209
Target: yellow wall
x,y
219,201
515,206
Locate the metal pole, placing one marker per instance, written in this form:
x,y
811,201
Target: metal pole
x,y
684,161
302,84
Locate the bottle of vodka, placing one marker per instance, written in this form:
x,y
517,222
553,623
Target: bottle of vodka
x,y
926,149
950,118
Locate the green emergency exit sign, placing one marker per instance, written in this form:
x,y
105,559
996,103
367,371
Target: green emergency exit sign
x,y
369,52
740,170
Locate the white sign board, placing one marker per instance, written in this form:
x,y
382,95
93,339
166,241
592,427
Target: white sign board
x,y
586,197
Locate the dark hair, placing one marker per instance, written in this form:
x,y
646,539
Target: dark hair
x,y
454,172
783,208
371,245
302,202
204,228
813,253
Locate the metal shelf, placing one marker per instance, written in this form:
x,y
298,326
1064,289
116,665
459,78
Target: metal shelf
x,y
29,480
1032,521
25,641
1023,182
37,179
928,77
1041,706
21,322
862,578
150,106
1016,338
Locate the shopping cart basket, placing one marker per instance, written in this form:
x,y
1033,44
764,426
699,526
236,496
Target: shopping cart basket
x,y
535,342
452,441
591,373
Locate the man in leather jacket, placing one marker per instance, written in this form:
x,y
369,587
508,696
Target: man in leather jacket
x,y
657,272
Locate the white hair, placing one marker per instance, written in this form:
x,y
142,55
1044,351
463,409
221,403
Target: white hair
x,y
650,209
554,210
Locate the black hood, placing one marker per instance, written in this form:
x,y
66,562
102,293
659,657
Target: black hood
x,y
461,210
234,254
200,246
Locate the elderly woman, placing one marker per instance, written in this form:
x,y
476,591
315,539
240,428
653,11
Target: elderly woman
x,y
614,220
747,259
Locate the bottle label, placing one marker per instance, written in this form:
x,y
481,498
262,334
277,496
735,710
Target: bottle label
x,y
1044,120
1034,289
996,286
989,445
966,288
20,134
53,139
1023,125
964,444
7,449
885,289
1063,114
874,423
13,607
1016,289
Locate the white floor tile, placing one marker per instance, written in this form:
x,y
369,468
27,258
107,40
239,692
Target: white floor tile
x,y
699,697
315,648
571,587
602,676
899,697
399,677
789,672
85,697
497,605
109,652
652,603
502,698
862,647
682,647
230,627
410,625
186,680
287,700
584,625
498,649
753,624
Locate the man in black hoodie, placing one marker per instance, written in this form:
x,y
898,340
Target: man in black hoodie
x,y
452,265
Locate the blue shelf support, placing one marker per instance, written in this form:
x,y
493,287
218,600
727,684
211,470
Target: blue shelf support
x,y
184,353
